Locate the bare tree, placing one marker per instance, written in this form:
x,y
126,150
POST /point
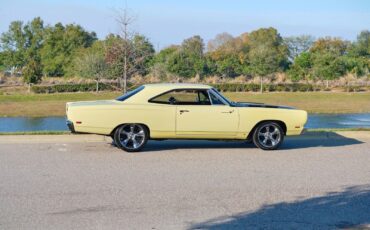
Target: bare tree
x,y
298,44
219,40
128,53
124,20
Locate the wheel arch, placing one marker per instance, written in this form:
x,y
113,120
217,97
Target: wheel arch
x,y
281,123
115,128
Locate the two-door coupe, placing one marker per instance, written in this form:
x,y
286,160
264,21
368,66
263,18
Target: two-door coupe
x,y
183,111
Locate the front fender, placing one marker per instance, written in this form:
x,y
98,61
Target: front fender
x,y
292,118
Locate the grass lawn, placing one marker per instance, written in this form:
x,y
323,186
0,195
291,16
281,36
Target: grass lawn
x,y
38,105
35,105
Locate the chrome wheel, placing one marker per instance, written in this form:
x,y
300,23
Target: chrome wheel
x,y
268,136
131,137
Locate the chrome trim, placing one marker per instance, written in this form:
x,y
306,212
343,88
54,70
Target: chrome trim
x,y
210,91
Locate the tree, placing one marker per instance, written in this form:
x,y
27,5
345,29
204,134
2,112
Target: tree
x,y
193,46
32,72
180,64
298,44
218,41
92,65
327,58
327,66
21,45
128,53
2,61
336,46
144,53
51,48
230,58
60,44
163,55
268,53
193,49
362,46
301,68
188,60
128,57
161,61
124,20
53,53
330,58
359,66
13,45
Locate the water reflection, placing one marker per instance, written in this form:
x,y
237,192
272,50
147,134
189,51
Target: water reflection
x,y
19,124
359,120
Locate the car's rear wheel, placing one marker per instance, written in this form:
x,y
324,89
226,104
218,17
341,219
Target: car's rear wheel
x,y
131,137
268,136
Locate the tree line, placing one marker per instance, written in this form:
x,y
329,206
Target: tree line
x,y
34,50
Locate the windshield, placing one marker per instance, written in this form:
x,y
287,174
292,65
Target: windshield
x,y
130,93
222,96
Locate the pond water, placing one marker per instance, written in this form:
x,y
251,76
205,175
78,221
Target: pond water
x,y
19,124
357,120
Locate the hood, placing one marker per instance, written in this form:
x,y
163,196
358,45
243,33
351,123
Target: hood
x,y
92,103
260,105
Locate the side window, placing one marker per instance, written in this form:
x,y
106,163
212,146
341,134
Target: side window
x,y
183,97
164,98
203,98
215,100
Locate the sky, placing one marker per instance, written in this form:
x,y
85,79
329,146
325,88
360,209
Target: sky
x,y
167,22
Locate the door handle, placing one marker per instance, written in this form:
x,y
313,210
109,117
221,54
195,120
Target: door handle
x,y
184,111
231,111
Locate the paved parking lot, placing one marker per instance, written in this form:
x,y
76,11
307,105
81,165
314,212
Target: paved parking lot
x,y
83,182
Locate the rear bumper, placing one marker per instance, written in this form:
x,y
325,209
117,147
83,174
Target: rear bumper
x,y
70,126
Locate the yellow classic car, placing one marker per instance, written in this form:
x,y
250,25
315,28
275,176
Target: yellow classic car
x,y
183,111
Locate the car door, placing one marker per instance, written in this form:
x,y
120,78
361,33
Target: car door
x,y
198,116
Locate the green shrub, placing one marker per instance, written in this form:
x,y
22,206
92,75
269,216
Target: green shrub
x,y
72,88
280,87
235,87
271,87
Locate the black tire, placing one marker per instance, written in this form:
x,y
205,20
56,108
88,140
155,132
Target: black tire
x,y
268,135
125,137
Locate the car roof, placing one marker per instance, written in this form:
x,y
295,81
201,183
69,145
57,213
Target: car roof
x,y
169,86
152,90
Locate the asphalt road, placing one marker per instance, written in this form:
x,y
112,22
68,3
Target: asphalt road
x,y
79,182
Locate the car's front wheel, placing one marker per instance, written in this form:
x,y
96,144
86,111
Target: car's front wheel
x,y
131,137
268,136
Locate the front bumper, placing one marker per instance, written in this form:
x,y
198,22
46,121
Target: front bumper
x,y
70,126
